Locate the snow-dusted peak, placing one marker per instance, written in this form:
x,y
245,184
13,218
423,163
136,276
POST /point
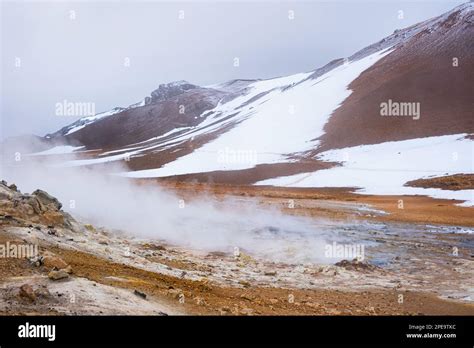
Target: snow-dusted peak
x,y
463,8
169,90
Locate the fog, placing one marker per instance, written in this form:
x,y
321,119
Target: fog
x,y
116,53
148,211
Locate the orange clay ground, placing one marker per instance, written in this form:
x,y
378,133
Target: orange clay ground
x,y
204,297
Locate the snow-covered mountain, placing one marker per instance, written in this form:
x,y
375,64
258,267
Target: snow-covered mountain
x,y
303,129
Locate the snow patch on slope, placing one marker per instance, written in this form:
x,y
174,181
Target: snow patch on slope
x,y
75,129
283,121
57,150
385,168
85,121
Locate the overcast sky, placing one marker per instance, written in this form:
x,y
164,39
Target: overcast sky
x,y
79,51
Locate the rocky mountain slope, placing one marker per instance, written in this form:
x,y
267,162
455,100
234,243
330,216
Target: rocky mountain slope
x,y
249,131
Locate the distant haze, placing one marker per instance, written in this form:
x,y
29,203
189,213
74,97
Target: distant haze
x,y
147,211
115,53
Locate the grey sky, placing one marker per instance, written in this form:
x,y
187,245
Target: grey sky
x,y
82,59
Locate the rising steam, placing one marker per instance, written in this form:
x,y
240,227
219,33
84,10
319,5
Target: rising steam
x,y
149,211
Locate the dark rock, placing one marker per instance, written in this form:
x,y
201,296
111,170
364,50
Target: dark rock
x,y
140,294
169,90
52,232
356,265
36,261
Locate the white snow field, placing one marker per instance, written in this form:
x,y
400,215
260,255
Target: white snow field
x,y
384,168
57,150
282,122
91,119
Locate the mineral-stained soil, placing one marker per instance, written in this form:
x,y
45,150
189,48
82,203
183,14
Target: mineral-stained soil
x,y
111,272
412,209
448,182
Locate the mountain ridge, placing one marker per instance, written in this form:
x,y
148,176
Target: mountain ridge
x,y
289,121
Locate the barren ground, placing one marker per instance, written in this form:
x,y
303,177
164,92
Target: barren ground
x,y
108,268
